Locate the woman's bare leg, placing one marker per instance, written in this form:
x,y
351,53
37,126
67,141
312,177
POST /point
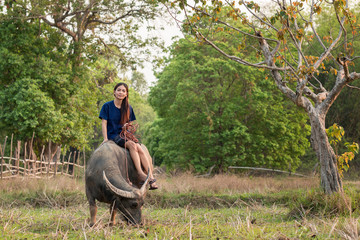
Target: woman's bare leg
x,y
146,163
144,160
149,158
136,158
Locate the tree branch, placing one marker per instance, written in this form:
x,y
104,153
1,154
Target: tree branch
x,y
228,25
352,87
257,17
312,27
326,53
237,59
60,26
129,13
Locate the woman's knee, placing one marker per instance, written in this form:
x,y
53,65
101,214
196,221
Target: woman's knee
x,y
131,146
139,149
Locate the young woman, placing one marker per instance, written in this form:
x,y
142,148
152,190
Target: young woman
x,y
116,114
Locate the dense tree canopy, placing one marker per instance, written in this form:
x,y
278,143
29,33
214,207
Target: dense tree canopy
x,y
38,94
213,112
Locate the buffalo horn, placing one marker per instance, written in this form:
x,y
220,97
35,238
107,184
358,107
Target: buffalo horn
x,y
143,187
118,191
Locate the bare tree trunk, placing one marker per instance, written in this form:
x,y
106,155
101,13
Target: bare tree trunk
x,y
330,178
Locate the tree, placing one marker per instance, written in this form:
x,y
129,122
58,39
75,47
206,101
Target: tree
x,y
37,92
281,39
90,24
212,115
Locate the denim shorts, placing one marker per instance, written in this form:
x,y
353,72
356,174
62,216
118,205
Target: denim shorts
x,y
119,141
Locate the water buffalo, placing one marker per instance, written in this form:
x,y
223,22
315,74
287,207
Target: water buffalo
x,y
106,181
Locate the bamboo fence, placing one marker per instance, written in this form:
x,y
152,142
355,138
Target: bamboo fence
x,y
19,163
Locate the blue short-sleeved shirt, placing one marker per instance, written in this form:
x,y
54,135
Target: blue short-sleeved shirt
x,y
112,114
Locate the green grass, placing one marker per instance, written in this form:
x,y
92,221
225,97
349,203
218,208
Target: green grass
x,y
252,222
57,209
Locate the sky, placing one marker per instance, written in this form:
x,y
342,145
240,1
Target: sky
x,y
170,31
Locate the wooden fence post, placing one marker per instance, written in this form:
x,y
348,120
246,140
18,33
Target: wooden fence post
x,y
11,146
41,160
84,161
49,156
34,166
25,162
31,155
63,159
68,163
73,173
18,157
2,157
78,160
58,152
1,153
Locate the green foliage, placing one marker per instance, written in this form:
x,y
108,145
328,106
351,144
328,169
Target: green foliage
x,y
212,112
24,116
40,94
335,134
98,27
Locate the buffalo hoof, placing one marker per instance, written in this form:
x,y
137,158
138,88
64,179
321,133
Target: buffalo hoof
x,y
92,224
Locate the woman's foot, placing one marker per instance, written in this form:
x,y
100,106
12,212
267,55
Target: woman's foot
x,y
142,179
153,185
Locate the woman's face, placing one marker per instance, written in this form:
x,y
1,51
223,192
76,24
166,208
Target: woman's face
x,y
120,92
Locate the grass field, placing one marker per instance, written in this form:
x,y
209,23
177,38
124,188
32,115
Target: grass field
x,y
185,207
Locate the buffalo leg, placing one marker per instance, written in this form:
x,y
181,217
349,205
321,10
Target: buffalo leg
x,y
93,211
92,207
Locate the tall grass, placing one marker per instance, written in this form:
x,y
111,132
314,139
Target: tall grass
x,y
175,191
53,192
184,183
24,184
57,209
233,184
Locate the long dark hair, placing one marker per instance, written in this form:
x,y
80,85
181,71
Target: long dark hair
x,y
125,107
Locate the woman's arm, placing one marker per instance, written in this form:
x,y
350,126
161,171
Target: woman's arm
x,y
104,129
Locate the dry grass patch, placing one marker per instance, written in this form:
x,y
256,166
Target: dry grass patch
x,y
230,184
184,183
23,184
54,192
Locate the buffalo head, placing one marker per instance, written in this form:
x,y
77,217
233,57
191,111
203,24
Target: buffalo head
x,y
129,203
